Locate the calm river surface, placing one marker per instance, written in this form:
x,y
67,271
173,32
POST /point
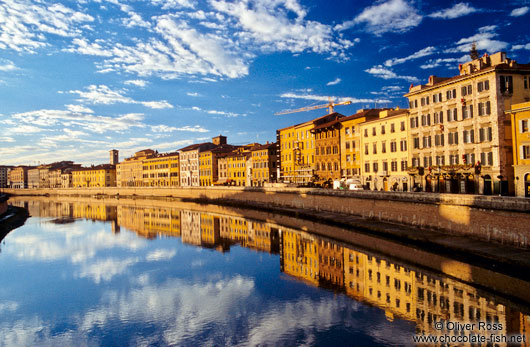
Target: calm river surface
x,y
141,273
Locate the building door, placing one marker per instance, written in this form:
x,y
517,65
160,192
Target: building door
x,y
428,183
527,185
487,185
385,184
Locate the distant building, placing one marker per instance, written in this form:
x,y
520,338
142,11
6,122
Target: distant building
x,y
296,150
129,173
190,172
162,170
4,176
385,151
520,114
97,176
114,157
18,177
264,160
327,151
459,131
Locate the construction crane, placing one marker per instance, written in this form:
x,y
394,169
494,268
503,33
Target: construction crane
x,y
330,105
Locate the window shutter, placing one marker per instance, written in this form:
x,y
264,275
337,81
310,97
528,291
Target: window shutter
x,y
470,111
472,136
488,107
490,134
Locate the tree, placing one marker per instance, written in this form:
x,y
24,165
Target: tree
x,y
473,53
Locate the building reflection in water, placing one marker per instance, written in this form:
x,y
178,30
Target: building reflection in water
x,y
400,290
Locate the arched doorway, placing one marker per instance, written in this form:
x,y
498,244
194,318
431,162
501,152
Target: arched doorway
x,y
487,185
527,185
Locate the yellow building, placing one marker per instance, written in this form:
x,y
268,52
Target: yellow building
x,y
299,255
459,128
384,151
236,162
94,211
264,161
297,150
350,143
327,150
161,170
129,173
520,114
98,176
18,177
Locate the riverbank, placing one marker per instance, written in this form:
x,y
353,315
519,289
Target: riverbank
x,y
492,219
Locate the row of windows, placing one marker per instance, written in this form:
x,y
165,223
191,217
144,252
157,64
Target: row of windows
x,y
484,109
393,147
327,150
468,136
486,158
393,166
329,166
383,129
464,90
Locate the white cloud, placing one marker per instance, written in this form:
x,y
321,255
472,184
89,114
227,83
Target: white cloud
x,y
102,94
105,269
458,10
391,16
161,254
385,73
93,123
448,62
6,139
217,112
517,47
79,109
521,11
168,129
24,129
7,65
484,40
193,94
334,82
174,4
25,24
268,23
419,54
82,46
326,98
138,83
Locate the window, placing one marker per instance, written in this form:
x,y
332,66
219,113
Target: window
x,y
416,142
373,131
375,167
453,159
385,166
486,158
416,162
347,145
403,165
427,161
393,146
452,138
383,147
485,134
440,160
469,136
367,167
524,125
426,119
392,128
506,84
348,158
467,90
469,158
374,148
414,122
403,126
403,145
483,85
382,129
426,141
394,166
439,140
438,117
525,152
365,132
484,108
347,131
467,112
366,149
452,115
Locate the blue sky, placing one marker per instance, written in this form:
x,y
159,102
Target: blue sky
x,y
78,78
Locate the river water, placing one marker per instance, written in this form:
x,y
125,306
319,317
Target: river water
x,y
155,273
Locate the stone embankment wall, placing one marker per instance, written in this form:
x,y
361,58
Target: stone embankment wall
x,y
492,218
3,204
